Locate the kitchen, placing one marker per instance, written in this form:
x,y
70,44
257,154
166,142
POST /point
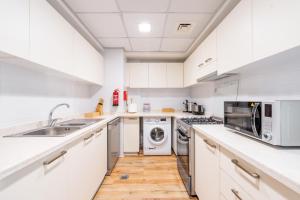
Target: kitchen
x,y
139,99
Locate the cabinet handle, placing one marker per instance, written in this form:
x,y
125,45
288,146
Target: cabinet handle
x,y
211,145
236,194
132,118
55,158
201,64
208,60
89,137
252,174
98,131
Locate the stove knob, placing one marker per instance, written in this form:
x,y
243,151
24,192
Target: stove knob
x,y
267,136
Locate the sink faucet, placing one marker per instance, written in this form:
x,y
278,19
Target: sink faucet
x,y
51,122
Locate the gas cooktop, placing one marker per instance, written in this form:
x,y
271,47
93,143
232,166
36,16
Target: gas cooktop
x,y
201,120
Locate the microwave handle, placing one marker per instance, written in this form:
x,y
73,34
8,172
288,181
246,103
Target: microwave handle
x,y
253,123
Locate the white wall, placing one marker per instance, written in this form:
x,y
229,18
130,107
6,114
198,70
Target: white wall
x,y
28,95
114,62
159,98
272,83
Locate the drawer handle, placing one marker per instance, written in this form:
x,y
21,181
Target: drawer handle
x,y
208,60
209,144
236,162
236,194
55,158
99,130
200,65
132,118
89,137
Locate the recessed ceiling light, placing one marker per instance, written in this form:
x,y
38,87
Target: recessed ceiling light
x,y
144,27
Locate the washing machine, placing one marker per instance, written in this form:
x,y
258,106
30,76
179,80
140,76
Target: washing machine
x,y
157,136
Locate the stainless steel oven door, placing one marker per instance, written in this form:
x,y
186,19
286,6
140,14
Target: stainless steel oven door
x,y
183,161
245,117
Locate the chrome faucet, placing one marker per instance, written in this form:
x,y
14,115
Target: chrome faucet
x,y
51,122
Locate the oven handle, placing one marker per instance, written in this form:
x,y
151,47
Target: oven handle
x,y
253,123
179,139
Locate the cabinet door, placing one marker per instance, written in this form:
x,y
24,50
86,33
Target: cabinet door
x,y
191,68
100,157
174,75
36,182
131,135
51,37
157,75
14,23
234,38
127,75
275,26
209,55
81,173
139,75
206,168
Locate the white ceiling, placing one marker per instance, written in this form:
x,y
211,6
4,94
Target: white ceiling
x,y
115,22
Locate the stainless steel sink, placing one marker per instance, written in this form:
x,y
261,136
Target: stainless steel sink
x,y
78,122
47,132
60,130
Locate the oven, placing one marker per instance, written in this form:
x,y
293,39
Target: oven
x,y
185,155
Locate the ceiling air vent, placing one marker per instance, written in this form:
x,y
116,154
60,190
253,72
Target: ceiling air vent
x,y
184,27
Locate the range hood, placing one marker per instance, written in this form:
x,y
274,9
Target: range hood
x,y
215,77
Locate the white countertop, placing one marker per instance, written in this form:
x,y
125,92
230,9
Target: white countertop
x,y
18,152
280,163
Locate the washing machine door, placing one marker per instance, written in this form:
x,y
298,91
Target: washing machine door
x,y
157,136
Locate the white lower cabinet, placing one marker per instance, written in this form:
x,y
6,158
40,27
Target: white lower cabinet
x,y
89,165
131,135
206,168
230,189
221,174
69,174
38,182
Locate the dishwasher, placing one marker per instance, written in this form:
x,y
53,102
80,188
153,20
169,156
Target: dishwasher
x,y
113,144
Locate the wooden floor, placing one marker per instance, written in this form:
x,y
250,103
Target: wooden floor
x,y
150,178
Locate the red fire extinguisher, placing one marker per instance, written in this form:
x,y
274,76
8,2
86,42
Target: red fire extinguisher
x,y
116,97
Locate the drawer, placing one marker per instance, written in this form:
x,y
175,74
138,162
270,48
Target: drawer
x,y
254,181
231,190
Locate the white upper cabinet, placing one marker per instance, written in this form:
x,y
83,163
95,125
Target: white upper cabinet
x,y
51,37
154,75
157,75
33,30
234,38
208,54
14,23
202,61
275,26
139,75
190,68
174,75
87,62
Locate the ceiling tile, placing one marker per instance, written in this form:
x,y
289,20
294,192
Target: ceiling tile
x,y
198,21
195,5
145,44
93,5
116,42
143,5
175,44
133,20
104,25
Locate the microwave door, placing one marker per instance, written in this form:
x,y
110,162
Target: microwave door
x,y
256,120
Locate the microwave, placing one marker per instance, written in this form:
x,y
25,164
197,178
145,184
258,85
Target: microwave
x,y
276,123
